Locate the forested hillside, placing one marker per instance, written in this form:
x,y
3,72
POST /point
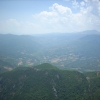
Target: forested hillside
x,y
46,82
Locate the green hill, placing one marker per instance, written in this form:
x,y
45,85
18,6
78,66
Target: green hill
x,y
45,66
46,82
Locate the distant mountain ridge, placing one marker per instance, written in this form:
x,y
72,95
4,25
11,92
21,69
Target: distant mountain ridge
x,y
76,51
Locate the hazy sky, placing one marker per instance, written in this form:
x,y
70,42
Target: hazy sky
x,y
47,16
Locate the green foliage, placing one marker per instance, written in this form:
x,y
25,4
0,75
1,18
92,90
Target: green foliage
x,y
43,83
45,66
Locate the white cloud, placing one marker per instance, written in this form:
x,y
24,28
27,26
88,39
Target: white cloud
x,y
95,0
82,3
9,25
86,0
62,19
59,19
60,9
75,4
15,27
44,16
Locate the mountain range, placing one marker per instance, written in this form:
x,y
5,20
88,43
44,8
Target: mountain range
x,y
59,66
76,51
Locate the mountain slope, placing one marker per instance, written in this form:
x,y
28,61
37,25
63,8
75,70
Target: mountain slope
x,y
43,84
94,84
14,45
76,51
82,54
16,50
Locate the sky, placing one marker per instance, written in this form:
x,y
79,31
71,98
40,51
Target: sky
x,y
49,16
